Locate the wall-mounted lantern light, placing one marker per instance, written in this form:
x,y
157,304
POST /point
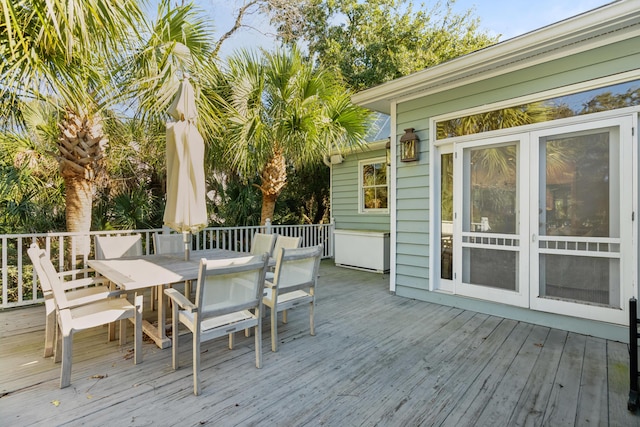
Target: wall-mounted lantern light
x,y
388,151
409,146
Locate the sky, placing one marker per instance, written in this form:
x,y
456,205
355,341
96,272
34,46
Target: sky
x,y
507,18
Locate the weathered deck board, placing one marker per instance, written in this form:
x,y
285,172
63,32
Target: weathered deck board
x,y
377,359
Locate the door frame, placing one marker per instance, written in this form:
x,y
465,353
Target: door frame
x,y
629,271
626,166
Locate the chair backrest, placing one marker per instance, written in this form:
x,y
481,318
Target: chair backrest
x,y
262,243
48,275
108,247
230,285
168,243
286,243
35,253
297,268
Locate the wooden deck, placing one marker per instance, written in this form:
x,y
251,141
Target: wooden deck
x,y
377,359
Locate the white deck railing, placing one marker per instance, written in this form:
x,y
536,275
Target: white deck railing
x,y
71,251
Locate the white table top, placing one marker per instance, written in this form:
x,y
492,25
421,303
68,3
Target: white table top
x,y
132,273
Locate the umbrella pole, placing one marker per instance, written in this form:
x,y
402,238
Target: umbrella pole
x,y
187,246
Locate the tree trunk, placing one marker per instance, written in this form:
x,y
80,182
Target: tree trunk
x,y
81,143
268,207
79,198
273,179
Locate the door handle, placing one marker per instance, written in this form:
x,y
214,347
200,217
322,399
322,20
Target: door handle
x,y
533,238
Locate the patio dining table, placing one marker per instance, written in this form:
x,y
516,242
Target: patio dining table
x,y
141,272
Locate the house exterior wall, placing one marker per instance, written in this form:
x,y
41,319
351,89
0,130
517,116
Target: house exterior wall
x,y
344,197
412,275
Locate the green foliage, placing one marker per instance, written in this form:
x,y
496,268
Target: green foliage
x,y
134,209
31,192
236,202
277,104
374,41
305,200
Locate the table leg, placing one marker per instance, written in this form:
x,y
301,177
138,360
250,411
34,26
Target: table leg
x,y
112,326
158,333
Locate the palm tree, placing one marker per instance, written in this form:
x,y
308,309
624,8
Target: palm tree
x,y
60,52
279,111
79,55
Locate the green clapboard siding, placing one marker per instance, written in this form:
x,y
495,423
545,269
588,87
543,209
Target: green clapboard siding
x,y
344,209
412,245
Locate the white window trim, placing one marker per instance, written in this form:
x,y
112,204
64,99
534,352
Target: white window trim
x,y
361,209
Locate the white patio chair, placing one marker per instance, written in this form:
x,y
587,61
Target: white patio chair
x,y
262,243
285,242
294,283
118,246
78,291
169,243
165,243
75,316
228,299
282,242
108,247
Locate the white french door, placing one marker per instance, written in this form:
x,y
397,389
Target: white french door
x,y
541,219
581,246
491,225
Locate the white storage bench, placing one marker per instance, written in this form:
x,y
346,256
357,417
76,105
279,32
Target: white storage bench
x,y
362,249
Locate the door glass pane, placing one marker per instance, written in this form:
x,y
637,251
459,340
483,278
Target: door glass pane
x,y
493,190
577,191
580,198
490,213
446,216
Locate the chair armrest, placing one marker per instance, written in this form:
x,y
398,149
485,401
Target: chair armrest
x,y
91,298
181,300
83,282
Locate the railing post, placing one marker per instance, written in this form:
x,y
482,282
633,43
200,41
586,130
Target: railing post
x,y
632,405
267,226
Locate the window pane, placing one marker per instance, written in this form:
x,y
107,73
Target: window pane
x,y
382,199
369,198
368,173
381,174
592,101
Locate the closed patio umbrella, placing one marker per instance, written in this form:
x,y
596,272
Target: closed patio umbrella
x,y
186,210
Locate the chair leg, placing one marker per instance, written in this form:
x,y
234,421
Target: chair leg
x,y
187,289
274,330
50,333
137,330
312,325
112,326
258,342
196,361
174,335
122,338
284,316
67,356
57,349
231,340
